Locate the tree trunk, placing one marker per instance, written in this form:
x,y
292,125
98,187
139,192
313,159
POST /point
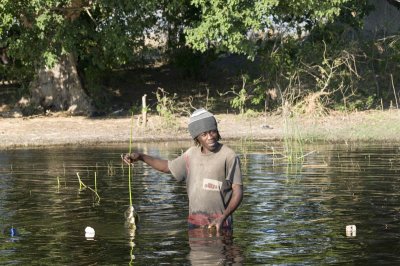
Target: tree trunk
x,y
59,89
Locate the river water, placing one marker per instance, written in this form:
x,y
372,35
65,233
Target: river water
x,y
294,212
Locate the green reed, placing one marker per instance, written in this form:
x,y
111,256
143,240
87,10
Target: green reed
x,y
83,186
95,181
111,171
130,165
293,143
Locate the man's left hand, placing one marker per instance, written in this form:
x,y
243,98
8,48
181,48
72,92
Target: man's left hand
x,y
217,223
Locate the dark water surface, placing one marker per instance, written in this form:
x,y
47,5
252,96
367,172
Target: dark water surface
x,y
292,214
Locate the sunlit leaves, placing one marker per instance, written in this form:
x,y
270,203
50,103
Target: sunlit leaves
x,y
109,33
50,58
106,31
225,25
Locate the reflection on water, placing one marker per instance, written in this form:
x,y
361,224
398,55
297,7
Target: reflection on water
x,y
211,248
291,214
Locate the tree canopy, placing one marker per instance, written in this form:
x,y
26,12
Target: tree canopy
x,y
227,24
107,34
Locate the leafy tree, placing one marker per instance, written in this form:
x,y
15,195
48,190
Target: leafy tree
x,y
226,25
50,38
301,44
175,17
64,46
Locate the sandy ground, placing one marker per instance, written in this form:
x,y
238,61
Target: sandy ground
x,y
64,130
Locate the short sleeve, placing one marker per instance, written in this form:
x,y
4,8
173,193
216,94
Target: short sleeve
x,y
234,173
177,167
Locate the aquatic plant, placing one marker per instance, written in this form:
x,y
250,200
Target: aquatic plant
x,y
293,143
83,186
65,180
95,181
130,214
130,165
110,169
245,143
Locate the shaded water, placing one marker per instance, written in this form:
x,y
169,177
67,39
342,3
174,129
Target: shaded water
x,y
291,214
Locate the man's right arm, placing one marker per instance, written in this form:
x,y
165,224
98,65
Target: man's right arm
x,y
158,164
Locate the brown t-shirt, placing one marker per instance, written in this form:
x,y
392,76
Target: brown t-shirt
x,y
209,178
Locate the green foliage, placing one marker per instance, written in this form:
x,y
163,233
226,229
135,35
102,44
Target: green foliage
x,y
249,97
303,46
225,25
313,72
94,83
18,73
176,16
166,107
240,100
328,70
104,33
188,61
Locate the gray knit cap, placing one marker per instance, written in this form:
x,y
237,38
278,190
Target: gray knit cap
x,y
201,121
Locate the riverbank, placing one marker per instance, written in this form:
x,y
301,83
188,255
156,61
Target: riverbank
x,y
58,129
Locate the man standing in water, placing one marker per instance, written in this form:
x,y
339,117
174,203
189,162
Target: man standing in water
x,y
211,171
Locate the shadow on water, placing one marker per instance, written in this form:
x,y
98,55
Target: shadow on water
x,y
291,214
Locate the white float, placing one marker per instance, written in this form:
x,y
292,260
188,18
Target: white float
x,y
351,230
89,232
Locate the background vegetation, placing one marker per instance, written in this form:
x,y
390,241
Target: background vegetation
x,y
244,56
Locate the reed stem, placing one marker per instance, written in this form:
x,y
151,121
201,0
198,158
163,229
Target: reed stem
x,y
81,184
95,181
130,165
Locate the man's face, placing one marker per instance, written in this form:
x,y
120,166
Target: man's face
x,y
209,140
